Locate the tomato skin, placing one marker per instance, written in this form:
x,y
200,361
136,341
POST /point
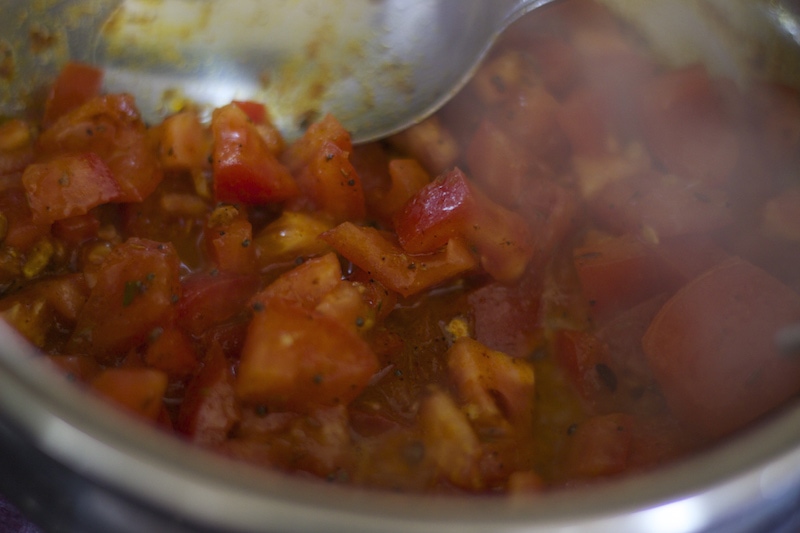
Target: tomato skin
x,y
76,84
723,369
135,291
110,127
210,299
295,359
437,213
245,170
67,186
137,390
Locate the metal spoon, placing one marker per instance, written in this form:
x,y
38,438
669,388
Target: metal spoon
x,y
378,65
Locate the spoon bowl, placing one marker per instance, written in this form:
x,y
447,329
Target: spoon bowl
x,y
378,66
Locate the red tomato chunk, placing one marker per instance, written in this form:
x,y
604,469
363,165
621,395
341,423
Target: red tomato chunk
x,y
575,271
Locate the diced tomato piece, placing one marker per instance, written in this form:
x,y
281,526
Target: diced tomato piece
x,y
618,273
67,186
712,351
406,177
495,387
290,237
601,445
185,144
498,163
550,211
449,207
138,390
76,229
66,294
689,125
584,122
210,299
303,150
383,259
231,247
506,318
331,185
661,205
76,84
210,409
255,111
258,114
23,232
136,289
305,284
346,304
171,352
436,214
110,127
430,143
451,445
245,170
294,359
16,146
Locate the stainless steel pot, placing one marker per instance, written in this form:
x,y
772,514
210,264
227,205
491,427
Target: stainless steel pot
x,y
73,463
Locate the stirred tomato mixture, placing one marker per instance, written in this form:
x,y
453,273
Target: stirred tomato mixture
x,y
575,271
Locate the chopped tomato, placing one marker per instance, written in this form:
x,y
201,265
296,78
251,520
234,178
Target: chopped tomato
x,y
386,261
306,284
16,146
331,185
712,348
76,229
110,127
211,299
618,273
495,388
137,390
184,142
449,207
75,85
294,359
209,410
231,247
302,151
22,232
171,351
136,289
406,177
245,170
68,186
